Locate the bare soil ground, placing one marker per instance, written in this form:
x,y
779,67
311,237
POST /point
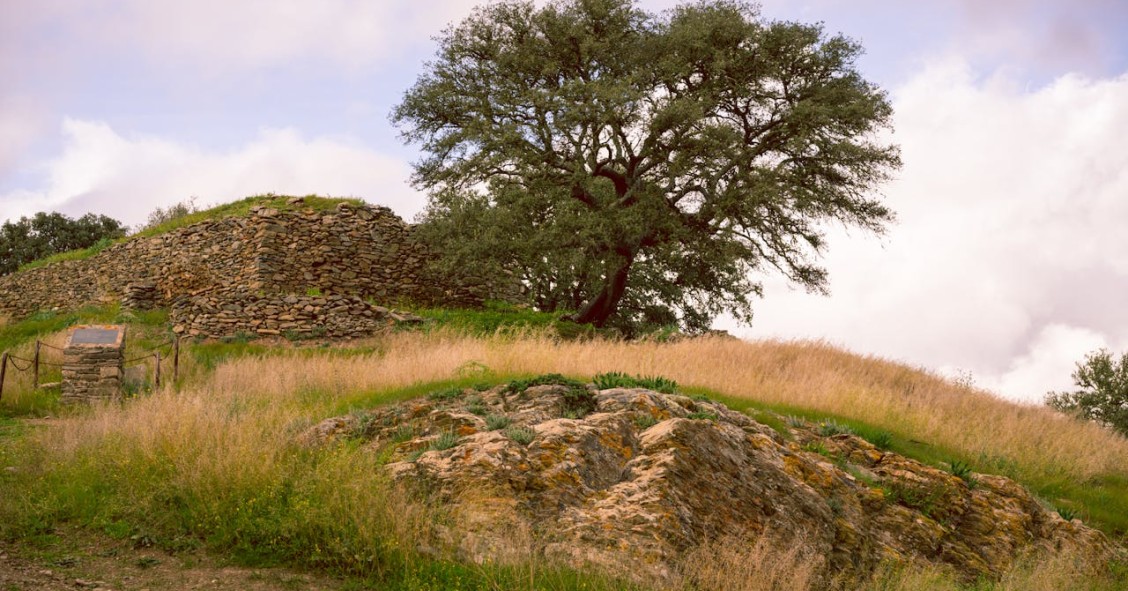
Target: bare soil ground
x,y
78,560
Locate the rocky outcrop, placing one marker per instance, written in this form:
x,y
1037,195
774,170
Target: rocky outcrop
x,y
353,250
647,477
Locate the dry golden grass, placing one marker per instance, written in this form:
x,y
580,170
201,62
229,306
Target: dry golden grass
x,y
1042,571
756,563
222,446
809,375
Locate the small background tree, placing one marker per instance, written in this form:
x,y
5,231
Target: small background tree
x,y
1103,394
163,215
45,234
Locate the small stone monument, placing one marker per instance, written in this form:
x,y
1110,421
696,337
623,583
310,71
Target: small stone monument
x,y
92,363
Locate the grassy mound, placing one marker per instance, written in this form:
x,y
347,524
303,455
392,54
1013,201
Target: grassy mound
x,y
238,208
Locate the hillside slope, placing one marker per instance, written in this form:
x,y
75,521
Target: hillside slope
x,y
218,461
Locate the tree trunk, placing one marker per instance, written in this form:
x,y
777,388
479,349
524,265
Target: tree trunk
x,y
603,305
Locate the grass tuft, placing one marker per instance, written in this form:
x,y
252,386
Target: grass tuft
x,y
444,441
495,422
522,435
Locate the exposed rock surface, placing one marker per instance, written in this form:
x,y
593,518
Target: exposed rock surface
x,y
648,476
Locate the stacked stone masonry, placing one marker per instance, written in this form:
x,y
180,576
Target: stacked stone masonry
x,y
140,296
92,371
292,316
212,272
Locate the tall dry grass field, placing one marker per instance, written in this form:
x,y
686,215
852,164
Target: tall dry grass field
x,y
808,375
217,460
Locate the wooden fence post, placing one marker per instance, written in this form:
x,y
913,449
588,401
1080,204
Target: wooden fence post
x,y
175,359
35,362
3,370
158,379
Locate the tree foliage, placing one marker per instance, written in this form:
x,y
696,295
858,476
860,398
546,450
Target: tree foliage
x,y
640,167
1103,393
45,234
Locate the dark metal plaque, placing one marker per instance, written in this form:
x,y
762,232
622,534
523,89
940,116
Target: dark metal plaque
x,y
94,336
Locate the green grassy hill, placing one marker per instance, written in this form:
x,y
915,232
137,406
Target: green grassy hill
x,y
210,460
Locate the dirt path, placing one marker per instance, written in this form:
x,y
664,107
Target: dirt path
x,y
77,560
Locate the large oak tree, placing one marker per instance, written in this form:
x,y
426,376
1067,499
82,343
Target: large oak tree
x,y
639,167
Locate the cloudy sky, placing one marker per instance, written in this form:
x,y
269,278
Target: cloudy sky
x,y
1008,263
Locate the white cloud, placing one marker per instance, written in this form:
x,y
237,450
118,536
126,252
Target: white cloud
x,y
232,36
101,171
21,122
1012,206
1048,363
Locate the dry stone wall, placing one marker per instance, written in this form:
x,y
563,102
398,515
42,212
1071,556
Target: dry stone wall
x,y
242,274
177,263
225,313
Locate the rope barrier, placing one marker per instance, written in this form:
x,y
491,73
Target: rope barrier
x,y
159,352
12,359
153,348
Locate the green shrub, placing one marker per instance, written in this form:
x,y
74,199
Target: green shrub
x,y
522,435
881,439
403,433
818,448
921,498
495,422
703,415
962,471
475,405
1067,513
959,469
829,428
618,379
443,395
444,441
645,421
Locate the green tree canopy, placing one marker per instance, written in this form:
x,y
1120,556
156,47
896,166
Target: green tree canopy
x,y
640,167
45,234
1103,393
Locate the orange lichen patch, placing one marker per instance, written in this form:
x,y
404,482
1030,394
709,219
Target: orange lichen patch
x,y
465,430
614,442
567,478
866,457
760,441
657,412
812,473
